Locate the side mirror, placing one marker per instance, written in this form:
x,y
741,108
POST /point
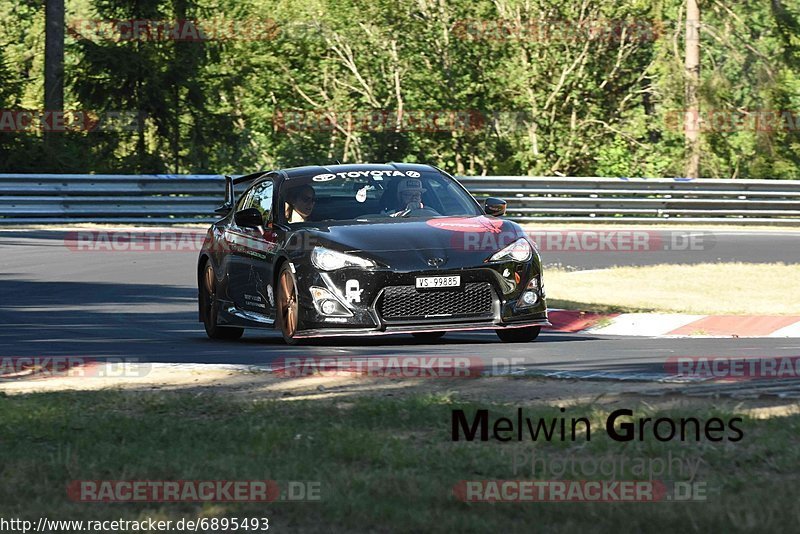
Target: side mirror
x,y
249,218
496,207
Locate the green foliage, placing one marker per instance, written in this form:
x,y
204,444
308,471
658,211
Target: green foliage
x,y
549,87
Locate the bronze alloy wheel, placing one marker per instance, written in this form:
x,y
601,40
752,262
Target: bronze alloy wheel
x,y
209,306
287,304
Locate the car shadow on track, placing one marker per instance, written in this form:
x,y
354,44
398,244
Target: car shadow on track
x,y
475,338
159,323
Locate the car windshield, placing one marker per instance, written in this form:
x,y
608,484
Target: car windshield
x,y
368,195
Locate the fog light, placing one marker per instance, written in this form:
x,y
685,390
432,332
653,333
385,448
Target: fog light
x,y
328,307
530,298
327,304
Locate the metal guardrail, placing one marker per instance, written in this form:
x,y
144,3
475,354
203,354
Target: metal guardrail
x,y
160,199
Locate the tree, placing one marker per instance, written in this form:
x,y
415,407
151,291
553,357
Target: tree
x,y
692,112
53,63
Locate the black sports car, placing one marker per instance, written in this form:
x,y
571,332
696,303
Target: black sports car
x,y
363,250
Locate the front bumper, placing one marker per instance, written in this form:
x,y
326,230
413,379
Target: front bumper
x,y
361,290
455,327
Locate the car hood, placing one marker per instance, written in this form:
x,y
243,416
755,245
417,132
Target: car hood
x,y
413,244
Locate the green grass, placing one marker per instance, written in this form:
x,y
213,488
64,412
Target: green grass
x,y
384,464
594,307
707,288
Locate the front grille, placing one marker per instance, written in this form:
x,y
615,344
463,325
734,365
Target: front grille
x,y
405,302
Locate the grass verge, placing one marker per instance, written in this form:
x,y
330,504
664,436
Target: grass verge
x,y
706,288
385,465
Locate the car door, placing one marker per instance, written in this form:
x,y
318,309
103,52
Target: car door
x,y
252,253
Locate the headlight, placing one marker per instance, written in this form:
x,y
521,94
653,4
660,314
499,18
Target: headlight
x,y
520,250
326,259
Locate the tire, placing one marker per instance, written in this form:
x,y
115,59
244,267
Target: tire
x,y
208,304
519,335
428,337
287,312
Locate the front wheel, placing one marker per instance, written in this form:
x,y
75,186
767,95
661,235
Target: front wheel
x,y
208,303
288,307
519,335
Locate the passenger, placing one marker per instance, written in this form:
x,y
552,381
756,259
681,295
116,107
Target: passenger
x,y
300,203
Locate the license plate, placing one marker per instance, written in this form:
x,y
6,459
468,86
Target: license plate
x,y
433,282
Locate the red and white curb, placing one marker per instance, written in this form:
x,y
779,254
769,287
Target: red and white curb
x,y
675,325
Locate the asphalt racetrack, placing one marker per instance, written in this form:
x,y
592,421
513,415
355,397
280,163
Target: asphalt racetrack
x,y
58,301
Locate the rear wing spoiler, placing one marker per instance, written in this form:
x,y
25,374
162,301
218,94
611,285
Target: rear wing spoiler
x,y
230,196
